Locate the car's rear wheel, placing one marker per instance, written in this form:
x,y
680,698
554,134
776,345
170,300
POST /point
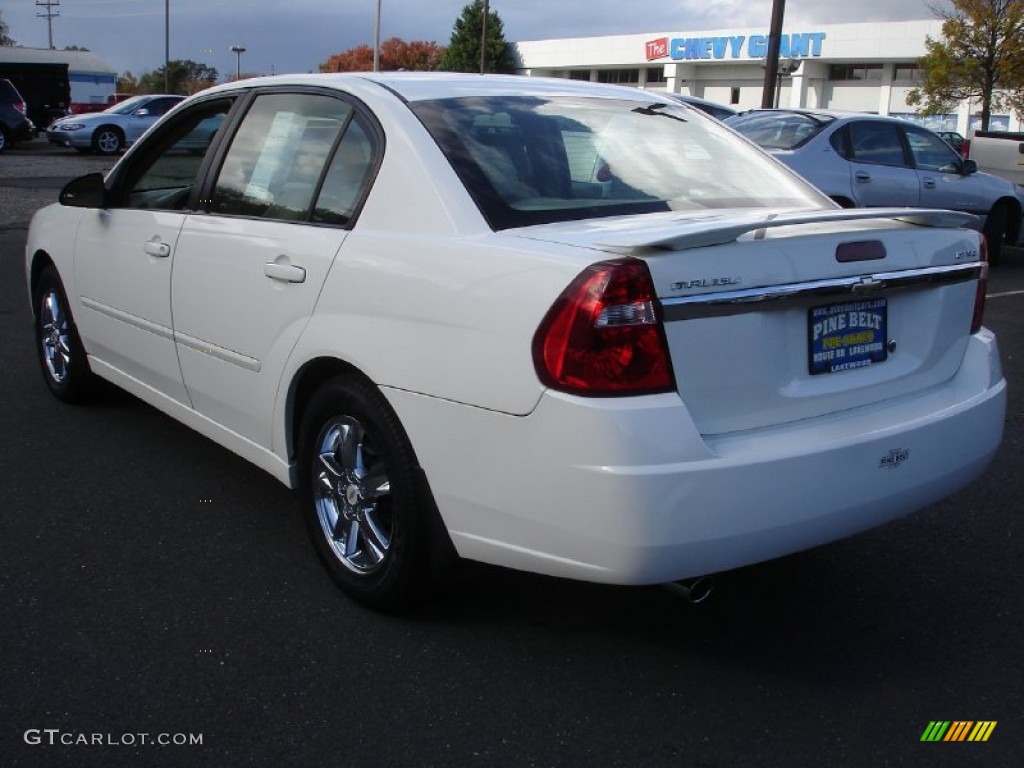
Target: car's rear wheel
x,y
108,140
4,141
363,509
61,354
997,223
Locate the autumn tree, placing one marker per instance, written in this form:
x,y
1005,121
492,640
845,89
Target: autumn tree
x,y
5,37
979,57
463,54
185,77
395,53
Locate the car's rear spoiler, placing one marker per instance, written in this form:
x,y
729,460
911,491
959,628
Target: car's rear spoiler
x,y
716,229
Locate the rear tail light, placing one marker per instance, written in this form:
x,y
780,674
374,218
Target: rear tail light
x,y
979,294
20,106
604,336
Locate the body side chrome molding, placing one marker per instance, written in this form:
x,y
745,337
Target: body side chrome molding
x,y
720,303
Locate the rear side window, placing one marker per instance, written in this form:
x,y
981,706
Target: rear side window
x,y
273,166
347,176
876,142
8,92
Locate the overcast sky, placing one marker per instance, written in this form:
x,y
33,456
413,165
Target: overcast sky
x,y
297,35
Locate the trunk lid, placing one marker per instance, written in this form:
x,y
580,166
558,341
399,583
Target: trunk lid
x,y
776,316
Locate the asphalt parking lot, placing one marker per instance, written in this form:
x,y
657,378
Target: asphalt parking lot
x,y
153,583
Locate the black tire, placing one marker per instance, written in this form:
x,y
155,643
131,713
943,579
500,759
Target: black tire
x,y
59,348
4,141
997,223
364,510
107,140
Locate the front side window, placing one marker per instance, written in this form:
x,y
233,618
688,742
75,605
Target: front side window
x,y
529,160
163,175
931,153
876,142
272,169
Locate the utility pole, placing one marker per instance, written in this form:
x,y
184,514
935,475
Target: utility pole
x,y
771,68
49,14
483,40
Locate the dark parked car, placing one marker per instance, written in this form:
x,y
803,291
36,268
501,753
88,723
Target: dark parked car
x,y
14,123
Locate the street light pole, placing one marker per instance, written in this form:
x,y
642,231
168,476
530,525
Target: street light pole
x,y
483,40
376,40
238,50
167,45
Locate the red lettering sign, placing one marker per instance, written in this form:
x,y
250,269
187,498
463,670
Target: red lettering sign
x,y
657,49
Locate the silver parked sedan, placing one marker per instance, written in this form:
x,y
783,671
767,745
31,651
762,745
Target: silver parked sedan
x,y
112,130
862,160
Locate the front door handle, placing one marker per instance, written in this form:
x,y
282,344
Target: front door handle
x,y
862,176
287,273
929,183
158,249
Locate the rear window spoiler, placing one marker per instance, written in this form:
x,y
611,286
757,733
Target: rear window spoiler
x,y
718,229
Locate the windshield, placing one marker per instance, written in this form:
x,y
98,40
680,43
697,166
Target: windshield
x,y
128,106
778,130
531,160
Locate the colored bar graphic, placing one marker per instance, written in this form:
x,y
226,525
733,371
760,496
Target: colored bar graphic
x,y
982,730
958,730
935,731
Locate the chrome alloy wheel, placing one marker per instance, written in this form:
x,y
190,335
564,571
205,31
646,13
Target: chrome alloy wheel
x,y
108,142
352,494
55,336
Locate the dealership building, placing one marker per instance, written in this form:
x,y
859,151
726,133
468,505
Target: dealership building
x,y
862,67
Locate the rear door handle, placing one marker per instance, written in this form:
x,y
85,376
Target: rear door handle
x,y
287,273
158,249
862,176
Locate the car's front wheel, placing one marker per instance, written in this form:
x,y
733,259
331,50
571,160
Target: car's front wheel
x,y
363,509
108,140
61,354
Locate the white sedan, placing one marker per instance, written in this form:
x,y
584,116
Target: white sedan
x,y
573,329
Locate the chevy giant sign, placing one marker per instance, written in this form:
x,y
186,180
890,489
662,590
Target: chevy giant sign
x,y
793,46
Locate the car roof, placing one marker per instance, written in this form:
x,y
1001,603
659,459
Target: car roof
x,y
829,115
423,86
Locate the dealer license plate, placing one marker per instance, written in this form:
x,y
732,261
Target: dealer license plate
x,y
846,336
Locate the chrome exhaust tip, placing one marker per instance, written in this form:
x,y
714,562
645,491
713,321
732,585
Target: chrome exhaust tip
x,y
695,590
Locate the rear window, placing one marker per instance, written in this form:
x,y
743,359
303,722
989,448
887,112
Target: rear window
x,y
530,160
8,92
778,130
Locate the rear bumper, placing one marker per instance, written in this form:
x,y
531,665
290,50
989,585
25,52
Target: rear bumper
x,y
627,491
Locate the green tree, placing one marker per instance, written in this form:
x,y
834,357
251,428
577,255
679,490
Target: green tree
x,y
185,77
463,54
979,57
127,83
5,37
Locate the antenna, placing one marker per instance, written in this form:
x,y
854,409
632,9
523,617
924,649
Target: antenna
x,y
49,14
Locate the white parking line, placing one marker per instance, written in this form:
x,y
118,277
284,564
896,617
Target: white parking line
x,y
1005,293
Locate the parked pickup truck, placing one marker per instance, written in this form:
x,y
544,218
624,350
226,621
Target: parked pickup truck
x,y
1000,153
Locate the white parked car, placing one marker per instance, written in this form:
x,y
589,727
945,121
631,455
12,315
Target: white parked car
x,y
110,131
563,327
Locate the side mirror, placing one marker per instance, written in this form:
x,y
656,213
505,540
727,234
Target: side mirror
x,y
141,112
969,167
84,192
